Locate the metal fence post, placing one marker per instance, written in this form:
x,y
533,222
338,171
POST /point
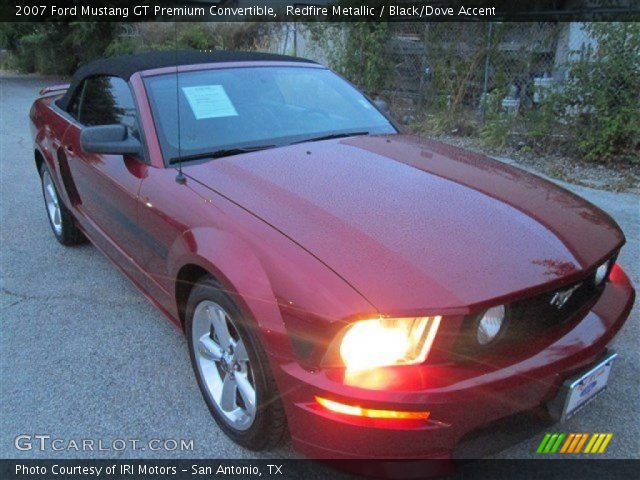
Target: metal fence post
x,y
485,84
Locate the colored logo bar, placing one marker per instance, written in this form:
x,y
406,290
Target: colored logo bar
x,y
574,443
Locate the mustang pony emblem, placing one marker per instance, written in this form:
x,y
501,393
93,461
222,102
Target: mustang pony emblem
x,y
562,297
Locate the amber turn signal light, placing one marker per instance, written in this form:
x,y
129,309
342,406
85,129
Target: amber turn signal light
x,y
354,410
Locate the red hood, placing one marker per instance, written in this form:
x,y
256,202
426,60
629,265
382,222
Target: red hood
x,y
415,224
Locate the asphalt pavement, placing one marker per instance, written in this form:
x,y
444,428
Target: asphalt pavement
x,y
84,355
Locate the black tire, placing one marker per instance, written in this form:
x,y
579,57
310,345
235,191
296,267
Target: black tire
x,y
68,233
269,425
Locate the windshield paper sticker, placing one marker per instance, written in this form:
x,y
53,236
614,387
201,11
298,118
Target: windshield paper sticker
x,y
209,101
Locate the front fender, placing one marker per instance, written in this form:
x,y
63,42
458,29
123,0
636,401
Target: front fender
x,y
43,146
233,263
47,157
47,138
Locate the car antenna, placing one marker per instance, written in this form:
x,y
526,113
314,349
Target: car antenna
x,y
180,178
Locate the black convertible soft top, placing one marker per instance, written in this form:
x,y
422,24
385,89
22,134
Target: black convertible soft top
x,y
126,65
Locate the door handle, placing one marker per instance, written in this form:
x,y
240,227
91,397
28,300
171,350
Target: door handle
x,y
69,148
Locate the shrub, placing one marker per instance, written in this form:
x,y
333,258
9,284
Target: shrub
x,y
197,37
12,32
498,125
89,40
55,47
356,50
44,51
245,36
122,46
601,100
454,87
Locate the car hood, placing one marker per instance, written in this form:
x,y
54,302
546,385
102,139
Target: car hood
x,y
415,225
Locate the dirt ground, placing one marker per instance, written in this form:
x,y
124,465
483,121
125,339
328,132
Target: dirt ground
x,y
613,177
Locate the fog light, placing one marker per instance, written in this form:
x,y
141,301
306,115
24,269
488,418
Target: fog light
x,y
490,324
601,273
354,410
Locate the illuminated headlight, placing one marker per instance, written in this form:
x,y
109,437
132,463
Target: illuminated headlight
x,y
601,273
387,341
490,324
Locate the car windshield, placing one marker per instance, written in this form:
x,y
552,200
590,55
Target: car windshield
x,y
226,111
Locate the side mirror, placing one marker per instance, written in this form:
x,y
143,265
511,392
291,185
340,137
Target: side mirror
x,y
109,139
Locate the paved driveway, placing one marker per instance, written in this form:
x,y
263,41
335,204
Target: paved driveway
x,y
84,354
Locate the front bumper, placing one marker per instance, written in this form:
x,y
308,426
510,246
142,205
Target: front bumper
x,y
460,397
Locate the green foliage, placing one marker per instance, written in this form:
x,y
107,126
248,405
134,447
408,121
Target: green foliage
x,y
601,99
197,37
456,78
356,50
45,50
456,72
122,46
498,125
55,47
244,36
165,37
495,131
89,40
543,120
594,114
59,48
12,32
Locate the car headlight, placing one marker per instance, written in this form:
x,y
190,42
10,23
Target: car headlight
x,y
387,341
601,273
490,324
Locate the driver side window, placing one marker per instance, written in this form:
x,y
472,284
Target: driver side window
x,y
74,107
105,101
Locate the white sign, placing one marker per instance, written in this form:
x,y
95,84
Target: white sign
x,y
209,101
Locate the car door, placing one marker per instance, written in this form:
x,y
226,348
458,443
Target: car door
x,y
108,185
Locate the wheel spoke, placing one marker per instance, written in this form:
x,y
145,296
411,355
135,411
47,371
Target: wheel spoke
x,y
228,395
208,348
56,216
219,322
240,352
52,194
247,392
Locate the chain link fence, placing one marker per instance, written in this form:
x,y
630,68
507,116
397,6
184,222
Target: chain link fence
x,y
542,85
455,66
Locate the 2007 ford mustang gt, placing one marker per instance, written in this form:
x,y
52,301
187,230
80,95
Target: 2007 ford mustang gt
x,y
370,293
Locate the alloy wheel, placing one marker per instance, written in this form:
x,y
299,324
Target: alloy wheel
x,y
52,203
223,364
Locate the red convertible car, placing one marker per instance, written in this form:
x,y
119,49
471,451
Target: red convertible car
x,y
368,292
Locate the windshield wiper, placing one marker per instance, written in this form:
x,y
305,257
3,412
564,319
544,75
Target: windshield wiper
x,y
223,152
331,136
